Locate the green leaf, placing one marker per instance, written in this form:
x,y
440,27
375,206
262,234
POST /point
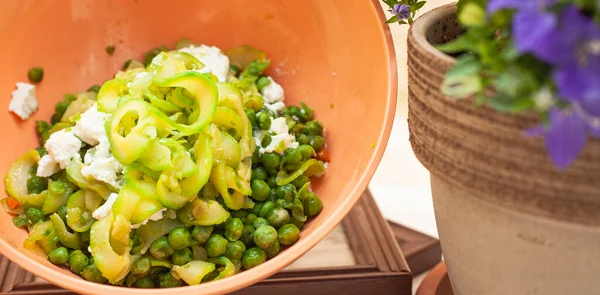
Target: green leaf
x,y
392,19
402,22
506,103
471,15
463,43
390,2
463,80
419,5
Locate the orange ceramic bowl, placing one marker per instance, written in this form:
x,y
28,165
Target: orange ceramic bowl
x,y
335,55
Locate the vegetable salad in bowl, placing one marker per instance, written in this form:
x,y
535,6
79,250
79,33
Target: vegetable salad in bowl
x,y
185,168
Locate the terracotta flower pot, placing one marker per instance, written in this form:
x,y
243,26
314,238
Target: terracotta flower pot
x,y
509,221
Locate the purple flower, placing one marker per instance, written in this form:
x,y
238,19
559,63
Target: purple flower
x,y
402,11
532,24
565,138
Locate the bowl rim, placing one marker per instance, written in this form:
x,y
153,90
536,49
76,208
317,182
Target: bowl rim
x,y
267,269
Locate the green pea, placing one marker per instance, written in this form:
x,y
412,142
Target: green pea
x,y
41,127
250,218
297,128
77,261
247,234
312,205
20,221
287,192
297,223
266,140
300,181
265,236
273,250
94,88
35,74
314,128
271,160
259,222
216,245
294,111
209,191
62,213
93,274
272,182
267,206
179,238
284,204
141,267
302,139
144,283
199,253
288,234
85,236
260,190
236,70
235,250
264,121
61,107
278,217
252,117
110,49
307,151
166,280
306,114
36,185
256,156
56,118
317,142
273,196
42,152
126,64
161,249
292,156
34,215
256,208
259,173
182,256
233,229
262,82
59,256
254,257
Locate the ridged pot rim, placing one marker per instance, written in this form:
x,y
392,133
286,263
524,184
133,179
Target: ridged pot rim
x,y
420,27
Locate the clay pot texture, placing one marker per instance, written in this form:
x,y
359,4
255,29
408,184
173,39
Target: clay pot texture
x,y
509,221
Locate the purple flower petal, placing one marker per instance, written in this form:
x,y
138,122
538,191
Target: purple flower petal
x,y
566,137
535,131
495,5
572,82
531,28
590,101
401,10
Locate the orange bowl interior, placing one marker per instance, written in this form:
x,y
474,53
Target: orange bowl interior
x,y
335,55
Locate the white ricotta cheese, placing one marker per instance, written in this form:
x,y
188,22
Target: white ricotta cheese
x,y
282,140
273,92
275,107
90,127
214,60
155,217
62,146
47,167
100,164
106,208
23,102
